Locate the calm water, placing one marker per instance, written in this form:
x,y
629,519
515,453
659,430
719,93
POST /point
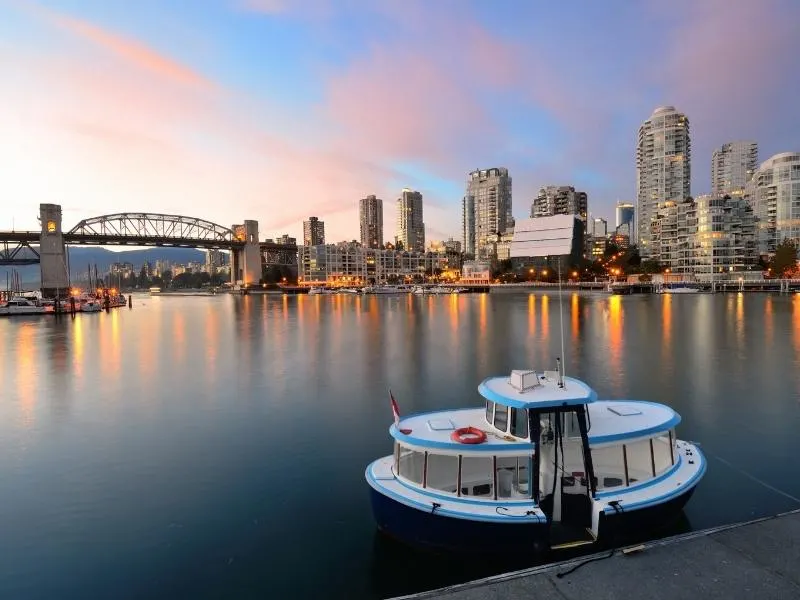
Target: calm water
x,y
211,447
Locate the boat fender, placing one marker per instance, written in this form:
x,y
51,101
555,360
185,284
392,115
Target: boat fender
x,y
468,435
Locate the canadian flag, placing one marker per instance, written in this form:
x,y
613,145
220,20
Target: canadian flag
x,y
395,410
396,414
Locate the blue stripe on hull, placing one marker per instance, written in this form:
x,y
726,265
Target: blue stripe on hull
x,y
449,534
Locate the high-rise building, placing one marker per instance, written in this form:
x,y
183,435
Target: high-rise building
x,y
486,211
732,166
370,213
313,232
663,167
599,227
710,236
560,200
626,220
410,226
774,194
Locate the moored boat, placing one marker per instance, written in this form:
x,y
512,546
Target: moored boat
x,y
542,465
19,305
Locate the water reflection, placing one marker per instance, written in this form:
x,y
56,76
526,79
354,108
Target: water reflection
x,y
27,371
768,321
532,314
615,339
666,323
545,318
575,320
740,320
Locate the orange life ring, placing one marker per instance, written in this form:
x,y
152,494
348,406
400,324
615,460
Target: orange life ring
x,y
468,435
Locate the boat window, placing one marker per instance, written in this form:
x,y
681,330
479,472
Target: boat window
x,y
609,467
640,466
476,476
512,482
489,411
519,422
501,417
442,472
524,467
396,458
571,427
412,464
662,457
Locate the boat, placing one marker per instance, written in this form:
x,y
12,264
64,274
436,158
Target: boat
x,y
387,289
313,291
19,305
543,465
90,305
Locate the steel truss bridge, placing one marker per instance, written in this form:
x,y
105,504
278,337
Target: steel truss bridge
x,y
142,229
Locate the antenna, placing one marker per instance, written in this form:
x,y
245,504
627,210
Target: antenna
x,y
563,369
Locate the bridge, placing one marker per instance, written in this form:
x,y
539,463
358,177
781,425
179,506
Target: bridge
x,y
47,247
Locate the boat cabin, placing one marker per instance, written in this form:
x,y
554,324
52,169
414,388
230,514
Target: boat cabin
x,y
542,437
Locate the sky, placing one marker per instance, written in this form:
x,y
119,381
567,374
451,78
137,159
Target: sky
x,y
276,110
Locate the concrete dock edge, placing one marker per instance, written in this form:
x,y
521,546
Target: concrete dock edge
x,y
761,556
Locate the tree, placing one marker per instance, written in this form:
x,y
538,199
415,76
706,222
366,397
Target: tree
x,y
784,263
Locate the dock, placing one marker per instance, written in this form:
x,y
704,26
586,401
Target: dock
x,y
758,559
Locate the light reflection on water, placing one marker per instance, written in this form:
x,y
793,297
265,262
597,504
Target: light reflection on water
x,y
176,447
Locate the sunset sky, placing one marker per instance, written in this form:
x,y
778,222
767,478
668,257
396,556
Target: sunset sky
x,y
276,110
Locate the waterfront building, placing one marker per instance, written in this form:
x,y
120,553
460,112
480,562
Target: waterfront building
x,y
349,263
410,224
288,240
732,166
476,272
540,241
313,232
626,220
561,200
663,168
370,215
704,237
774,194
486,211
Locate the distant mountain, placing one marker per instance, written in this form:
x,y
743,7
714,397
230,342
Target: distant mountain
x,y
80,257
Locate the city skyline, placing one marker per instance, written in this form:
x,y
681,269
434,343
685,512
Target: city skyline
x,y
201,116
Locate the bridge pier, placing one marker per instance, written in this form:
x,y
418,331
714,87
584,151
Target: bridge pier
x,y
52,252
246,261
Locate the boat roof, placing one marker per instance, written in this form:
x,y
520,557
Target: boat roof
x,y
433,430
611,421
536,389
618,420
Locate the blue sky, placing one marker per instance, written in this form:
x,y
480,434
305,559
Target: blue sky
x,y
277,110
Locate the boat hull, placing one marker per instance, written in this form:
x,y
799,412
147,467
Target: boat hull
x,y
618,527
452,535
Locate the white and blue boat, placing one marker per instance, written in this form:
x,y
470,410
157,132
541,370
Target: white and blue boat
x,y
543,465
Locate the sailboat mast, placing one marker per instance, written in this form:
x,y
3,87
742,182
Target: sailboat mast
x,y
563,369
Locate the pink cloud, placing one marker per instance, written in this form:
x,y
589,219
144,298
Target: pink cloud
x,y
127,49
402,105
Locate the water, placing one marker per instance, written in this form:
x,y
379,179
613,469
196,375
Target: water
x,y
211,447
